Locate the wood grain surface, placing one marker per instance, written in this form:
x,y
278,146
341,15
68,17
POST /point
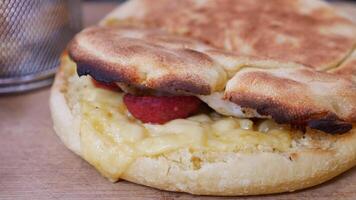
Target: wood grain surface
x,y
34,164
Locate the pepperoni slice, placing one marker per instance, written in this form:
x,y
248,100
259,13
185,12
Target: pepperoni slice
x,y
161,109
107,86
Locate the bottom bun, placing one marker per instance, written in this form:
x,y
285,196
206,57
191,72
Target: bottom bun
x,y
218,173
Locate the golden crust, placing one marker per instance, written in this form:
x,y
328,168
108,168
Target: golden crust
x,y
155,60
309,32
147,59
303,31
298,96
219,173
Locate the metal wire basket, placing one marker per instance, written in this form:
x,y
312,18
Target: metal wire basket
x,y
33,34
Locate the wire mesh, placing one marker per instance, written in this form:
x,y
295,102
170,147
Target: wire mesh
x,y
33,35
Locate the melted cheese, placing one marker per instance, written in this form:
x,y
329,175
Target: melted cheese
x,y
217,102
112,139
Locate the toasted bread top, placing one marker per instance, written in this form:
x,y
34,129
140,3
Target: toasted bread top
x,y
303,74
149,59
309,32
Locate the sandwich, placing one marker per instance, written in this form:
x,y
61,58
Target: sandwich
x,y
212,97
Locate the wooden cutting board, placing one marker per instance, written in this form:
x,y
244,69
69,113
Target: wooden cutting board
x,y
34,164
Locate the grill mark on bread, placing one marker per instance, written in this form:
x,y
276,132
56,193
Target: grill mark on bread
x,y
299,97
146,59
333,126
169,84
284,114
105,75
